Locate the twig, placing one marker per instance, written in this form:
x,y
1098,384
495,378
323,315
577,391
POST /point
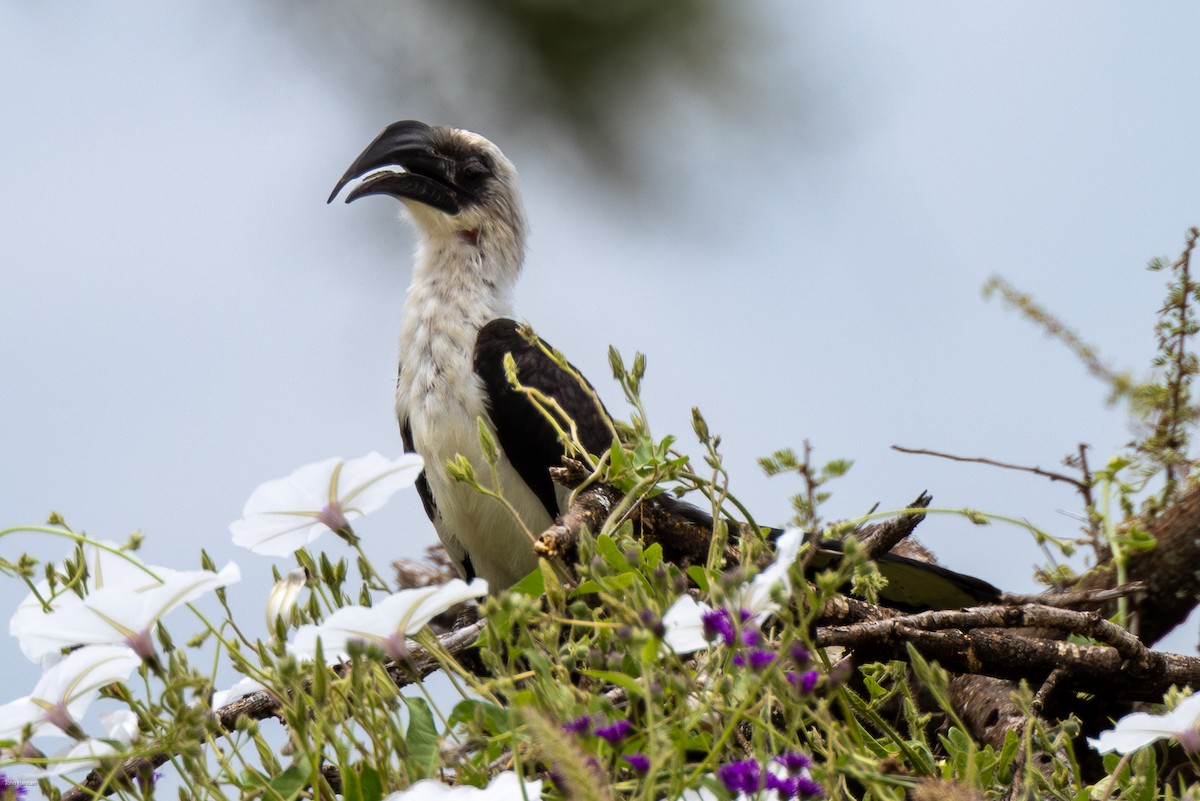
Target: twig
x,y
261,705
1087,624
684,533
882,538
1068,600
1048,688
972,641
1076,483
1080,463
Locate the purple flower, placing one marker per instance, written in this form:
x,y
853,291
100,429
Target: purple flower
x,y
793,762
653,623
799,654
804,682
840,673
639,762
741,777
751,636
784,786
807,787
614,732
9,789
756,660
579,725
149,778
719,622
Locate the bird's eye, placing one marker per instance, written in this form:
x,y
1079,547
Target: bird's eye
x,y
474,171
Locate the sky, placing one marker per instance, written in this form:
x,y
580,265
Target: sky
x,y
184,316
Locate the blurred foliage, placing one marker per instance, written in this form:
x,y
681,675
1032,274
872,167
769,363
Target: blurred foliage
x,y
581,68
1162,405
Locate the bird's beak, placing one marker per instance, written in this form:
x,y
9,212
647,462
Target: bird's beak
x,y
419,173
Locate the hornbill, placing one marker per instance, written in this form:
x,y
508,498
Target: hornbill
x,y
461,194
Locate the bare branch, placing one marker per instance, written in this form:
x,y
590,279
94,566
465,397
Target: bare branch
x,y
1076,483
881,538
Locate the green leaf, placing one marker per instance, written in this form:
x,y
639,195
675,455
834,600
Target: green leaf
x,y
697,574
588,587
652,557
494,719
266,753
622,581
631,685
618,463
836,468
351,785
1012,741
422,738
293,781
643,453
532,585
320,683
1145,763
555,595
361,782
874,688
372,784
609,552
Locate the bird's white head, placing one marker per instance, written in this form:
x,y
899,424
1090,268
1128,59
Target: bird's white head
x,y
454,183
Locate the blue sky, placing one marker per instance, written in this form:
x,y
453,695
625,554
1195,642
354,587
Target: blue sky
x,y
184,317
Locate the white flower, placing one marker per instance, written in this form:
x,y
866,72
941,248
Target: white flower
x,y
683,625
1139,729
240,689
107,566
757,596
387,624
83,755
684,621
286,514
282,599
123,611
506,786
121,727
66,690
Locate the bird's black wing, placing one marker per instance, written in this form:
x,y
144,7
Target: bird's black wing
x,y
527,438
916,585
532,447
422,483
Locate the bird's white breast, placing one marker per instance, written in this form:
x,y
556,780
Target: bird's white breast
x,y
440,397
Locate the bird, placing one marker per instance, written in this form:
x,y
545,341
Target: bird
x,y
461,194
